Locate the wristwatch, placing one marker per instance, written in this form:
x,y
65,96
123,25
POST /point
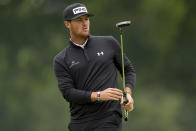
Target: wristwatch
x,y
98,96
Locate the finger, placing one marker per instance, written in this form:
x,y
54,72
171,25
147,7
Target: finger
x,y
122,99
117,90
128,104
132,101
129,108
115,96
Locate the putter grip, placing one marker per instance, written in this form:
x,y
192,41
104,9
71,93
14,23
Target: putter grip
x,y
125,101
125,98
126,118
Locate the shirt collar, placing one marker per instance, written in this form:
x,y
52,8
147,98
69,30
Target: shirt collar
x,y
79,45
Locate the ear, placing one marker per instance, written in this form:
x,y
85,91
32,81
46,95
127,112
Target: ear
x,y
67,24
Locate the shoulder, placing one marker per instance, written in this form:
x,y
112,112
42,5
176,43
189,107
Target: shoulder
x,y
102,37
61,56
109,40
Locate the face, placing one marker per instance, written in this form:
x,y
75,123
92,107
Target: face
x,y
79,27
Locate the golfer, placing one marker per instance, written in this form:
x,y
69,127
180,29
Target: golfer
x,y
86,71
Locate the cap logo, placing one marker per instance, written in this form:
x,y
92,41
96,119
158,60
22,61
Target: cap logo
x,y
79,10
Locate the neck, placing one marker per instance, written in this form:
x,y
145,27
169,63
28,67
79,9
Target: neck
x,y
79,40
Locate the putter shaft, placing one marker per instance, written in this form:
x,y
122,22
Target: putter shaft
x,y
123,78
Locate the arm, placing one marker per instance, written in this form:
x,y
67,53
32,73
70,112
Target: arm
x,y
66,86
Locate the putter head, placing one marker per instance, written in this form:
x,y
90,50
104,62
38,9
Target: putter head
x,y
123,24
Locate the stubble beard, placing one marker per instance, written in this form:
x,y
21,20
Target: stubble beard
x,y
83,35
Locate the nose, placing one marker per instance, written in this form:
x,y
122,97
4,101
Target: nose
x,y
85,22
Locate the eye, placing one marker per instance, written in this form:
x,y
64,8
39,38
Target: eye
x,y
78,19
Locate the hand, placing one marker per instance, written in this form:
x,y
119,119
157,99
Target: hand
x,y
111,94
129,106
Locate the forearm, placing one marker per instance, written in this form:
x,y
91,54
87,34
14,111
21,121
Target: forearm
x,y
106,95
130,76
94,96
76,96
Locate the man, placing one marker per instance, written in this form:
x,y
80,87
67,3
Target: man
x,y
87,76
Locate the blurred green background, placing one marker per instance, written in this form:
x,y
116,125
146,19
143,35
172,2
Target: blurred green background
x,y
160,42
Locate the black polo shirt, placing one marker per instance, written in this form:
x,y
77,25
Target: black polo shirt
x,y
81,71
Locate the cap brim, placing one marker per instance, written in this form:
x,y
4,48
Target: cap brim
x,y
89,14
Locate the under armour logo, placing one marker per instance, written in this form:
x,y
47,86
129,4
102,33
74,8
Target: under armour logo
x,y
73,63
100,53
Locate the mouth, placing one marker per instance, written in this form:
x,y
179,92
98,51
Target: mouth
x,y
85,29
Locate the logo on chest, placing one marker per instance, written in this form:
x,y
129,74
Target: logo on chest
x,y
73,63
100,53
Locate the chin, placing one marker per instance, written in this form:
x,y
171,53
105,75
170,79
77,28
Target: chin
x,y
85,35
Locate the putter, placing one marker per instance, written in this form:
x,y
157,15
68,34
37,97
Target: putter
x,y
120,25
